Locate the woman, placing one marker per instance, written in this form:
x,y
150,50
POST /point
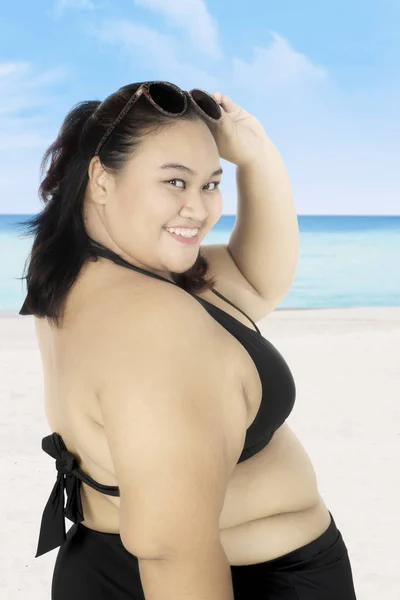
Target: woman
x,y
167,409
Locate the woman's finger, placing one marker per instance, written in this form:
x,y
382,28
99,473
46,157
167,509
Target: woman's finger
x,y
228,104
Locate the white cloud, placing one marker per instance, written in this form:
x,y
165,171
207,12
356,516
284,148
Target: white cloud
x,y
154,49
26,101
159,53
192,18
61,5
277,67
21,88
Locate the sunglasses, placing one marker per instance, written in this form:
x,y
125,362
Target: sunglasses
x,y
170,100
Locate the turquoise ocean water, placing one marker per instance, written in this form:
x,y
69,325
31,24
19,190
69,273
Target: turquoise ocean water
x,y
345,261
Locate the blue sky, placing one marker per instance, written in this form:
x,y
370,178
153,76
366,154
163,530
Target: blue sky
x,y
322,77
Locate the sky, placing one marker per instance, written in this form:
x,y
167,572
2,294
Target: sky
x,y
323,78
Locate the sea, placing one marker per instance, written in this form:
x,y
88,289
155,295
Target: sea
x,y
345,261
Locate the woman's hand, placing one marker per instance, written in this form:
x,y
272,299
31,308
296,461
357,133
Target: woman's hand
x,y
239,136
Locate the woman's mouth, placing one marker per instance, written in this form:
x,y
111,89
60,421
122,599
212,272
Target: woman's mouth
x,y
185,238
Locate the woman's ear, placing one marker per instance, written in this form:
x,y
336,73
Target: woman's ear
x,y
99,180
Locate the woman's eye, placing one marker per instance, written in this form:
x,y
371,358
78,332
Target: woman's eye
x,y
214,183
176,180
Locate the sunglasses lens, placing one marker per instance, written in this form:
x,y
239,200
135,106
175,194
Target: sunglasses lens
x,y
208,104
167,98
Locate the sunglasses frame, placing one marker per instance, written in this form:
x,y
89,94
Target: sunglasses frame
x,y
144,89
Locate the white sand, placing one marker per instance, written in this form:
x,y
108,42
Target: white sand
x,y
346,364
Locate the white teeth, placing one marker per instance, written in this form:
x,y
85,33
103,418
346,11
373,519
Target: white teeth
x,y
183,232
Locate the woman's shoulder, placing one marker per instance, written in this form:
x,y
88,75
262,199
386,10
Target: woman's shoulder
x,y
144,308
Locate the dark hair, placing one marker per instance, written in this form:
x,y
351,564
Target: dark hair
x,y
61,244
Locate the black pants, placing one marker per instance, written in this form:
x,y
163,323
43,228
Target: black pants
x,y
92,565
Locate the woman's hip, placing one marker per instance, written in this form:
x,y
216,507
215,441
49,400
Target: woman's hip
x,y
92,565
274,536
319,570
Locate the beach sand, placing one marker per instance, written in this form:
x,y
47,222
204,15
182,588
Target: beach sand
x,y
346,365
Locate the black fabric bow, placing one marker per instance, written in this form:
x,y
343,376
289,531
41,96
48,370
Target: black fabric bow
x,y
69,477
52,529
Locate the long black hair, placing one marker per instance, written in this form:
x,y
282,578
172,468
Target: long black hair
x,y
61,243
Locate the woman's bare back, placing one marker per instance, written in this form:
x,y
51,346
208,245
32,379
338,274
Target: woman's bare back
x,y
272,505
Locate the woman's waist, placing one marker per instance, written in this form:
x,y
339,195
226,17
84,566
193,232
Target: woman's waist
x,y
279,479
274,536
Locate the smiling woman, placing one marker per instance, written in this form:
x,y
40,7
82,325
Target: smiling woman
x,y
167,409
76,175
192,228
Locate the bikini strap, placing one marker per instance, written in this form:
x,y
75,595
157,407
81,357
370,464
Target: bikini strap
x,y
237,308
101,250
107,253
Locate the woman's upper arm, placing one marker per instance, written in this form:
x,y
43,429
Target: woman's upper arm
x,y
173,441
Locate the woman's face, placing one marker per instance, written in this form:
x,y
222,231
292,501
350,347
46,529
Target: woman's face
x,y
133,209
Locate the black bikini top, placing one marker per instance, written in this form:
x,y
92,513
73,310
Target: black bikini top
x,y
278,397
